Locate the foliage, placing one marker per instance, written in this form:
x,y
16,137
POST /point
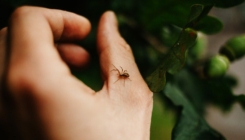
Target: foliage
x,y
197,127
160,32
173,61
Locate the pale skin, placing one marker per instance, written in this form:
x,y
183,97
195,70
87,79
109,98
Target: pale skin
x,y
38,80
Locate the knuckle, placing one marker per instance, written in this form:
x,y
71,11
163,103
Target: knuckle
x,y
21,77
25,12
20,11
17,79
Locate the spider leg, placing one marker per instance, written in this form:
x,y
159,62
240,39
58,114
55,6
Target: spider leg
x,y
115,69
116,80
121,68
114,66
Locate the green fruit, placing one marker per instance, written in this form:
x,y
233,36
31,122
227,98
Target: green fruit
x,y
197,52
234,48
216,67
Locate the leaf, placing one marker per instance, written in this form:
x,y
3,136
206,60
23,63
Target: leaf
x,y
209,25
165,12
216,91
196,11
201,22
185,80
219,93
173,61
190,125
175,13
241,99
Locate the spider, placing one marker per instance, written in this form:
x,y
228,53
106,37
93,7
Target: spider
x,y
123,74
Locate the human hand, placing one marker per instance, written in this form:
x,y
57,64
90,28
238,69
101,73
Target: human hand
x,y
41,99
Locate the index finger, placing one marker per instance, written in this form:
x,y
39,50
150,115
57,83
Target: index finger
x,y
33,32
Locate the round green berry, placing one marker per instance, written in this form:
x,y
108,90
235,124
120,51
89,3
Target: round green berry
x,y
216,67
234,48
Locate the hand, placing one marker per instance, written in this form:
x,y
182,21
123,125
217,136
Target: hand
x,y
41,99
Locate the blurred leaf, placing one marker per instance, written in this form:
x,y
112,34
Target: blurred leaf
x,y
185,80
209,25
173,61
241,99
201,22
196,11
170,34
219,92
190,125
176,15
161,12
174,12
177,54
216,91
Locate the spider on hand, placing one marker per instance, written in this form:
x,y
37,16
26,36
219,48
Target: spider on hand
x,y
121,75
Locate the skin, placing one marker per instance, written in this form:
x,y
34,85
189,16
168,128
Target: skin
x,y
45,101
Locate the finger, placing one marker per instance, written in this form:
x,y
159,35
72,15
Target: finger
x,y
111,45
74,55
3,38
116,57
32,41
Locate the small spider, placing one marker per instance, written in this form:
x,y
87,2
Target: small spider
x,y
121,75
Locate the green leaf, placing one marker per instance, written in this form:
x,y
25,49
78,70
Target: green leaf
x,y
196,11
161,13
199,20
168,12
241,99
173,12
190,125
185,80
209,25
217,92
173,61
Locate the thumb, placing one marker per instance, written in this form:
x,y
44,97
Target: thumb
x,y
116,58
